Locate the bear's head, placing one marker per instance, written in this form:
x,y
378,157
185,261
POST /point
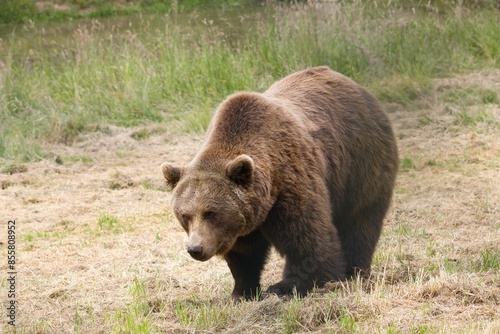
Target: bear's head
x,y
212,204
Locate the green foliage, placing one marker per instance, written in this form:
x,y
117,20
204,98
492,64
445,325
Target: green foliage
x,y
135,318
347,321
490,260
202,315
187,5
107,222
14,168
471,95
472,118
426,120
402,89
290,316
73,159
15,11
12,11
406,163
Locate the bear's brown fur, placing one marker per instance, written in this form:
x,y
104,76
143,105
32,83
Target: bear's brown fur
x,y
307,167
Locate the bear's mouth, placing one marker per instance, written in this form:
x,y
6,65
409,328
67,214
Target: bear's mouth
x,y
200,257
198,253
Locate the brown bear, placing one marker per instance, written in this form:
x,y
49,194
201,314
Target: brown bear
x,y
307,167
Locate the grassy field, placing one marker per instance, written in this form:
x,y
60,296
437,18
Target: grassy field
x,y
86,120
19,11
53,89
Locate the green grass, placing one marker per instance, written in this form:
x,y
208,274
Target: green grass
x,y
15,11
75,159
178,74
472,118
13,168
202,315
107,222
406,163
290,316
471,95
135,318
488,259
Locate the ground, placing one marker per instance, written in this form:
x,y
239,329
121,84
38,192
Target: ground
x,y
99,251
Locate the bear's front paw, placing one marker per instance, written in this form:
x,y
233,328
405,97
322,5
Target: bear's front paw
x,y
282,289
246,294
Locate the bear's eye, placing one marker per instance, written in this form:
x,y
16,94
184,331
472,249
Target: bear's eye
x,y
209,215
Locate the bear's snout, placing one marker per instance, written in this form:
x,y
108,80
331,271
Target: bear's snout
x,y
196,251
199,248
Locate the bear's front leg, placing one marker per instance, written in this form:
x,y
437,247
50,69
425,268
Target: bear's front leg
x,y
246,260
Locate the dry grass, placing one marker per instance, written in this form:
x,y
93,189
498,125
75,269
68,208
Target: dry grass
x,y
99,251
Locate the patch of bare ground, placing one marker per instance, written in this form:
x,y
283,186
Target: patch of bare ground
x,y
99,251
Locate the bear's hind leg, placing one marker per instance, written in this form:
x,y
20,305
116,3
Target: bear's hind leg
x,y
297,278
313,262
246,260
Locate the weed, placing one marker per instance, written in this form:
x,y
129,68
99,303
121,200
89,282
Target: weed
x,y
431,249
406,164
393,329
472,118
490,260
201,315
14,169
402,89
290,316
426,120
151,185
452,265
107,222
74,159
29,237
434,163
347,321
140,303
77,320
471,96
403,230
140,134
65,223
126,322
136,317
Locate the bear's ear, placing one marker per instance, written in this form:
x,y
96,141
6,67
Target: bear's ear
x,y
171,173
240,170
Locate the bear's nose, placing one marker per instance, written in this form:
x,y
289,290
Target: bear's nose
x,y
195,251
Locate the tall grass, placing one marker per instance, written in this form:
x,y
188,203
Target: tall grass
x,y
61,88
16,11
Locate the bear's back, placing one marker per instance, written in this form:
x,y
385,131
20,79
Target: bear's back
x,y
349,126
